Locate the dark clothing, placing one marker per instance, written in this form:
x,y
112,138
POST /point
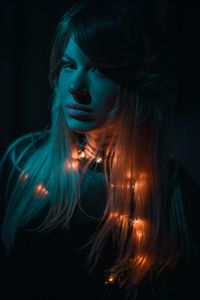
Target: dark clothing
x,y
52,265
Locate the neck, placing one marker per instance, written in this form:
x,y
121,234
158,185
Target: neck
x,y
100,137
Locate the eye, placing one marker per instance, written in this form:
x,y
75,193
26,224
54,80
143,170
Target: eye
x,y
66,64
97,70
69,65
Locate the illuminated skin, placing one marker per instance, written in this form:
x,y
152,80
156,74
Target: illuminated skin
x,y
77,74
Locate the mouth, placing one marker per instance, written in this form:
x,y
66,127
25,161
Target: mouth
x,y
79,107
79,114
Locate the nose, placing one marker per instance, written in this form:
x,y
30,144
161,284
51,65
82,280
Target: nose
x,y
78,84
79,92
78,89
82,96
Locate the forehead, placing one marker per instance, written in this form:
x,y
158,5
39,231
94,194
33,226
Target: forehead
x,y
73,51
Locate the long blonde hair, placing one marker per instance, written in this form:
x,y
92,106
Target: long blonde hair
x,y
144,212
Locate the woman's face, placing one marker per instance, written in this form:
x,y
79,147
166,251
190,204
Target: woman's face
x,y
81,83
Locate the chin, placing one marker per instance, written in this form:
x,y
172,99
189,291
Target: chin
x,y
81,126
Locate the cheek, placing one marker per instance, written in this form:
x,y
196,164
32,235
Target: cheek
x,y
106,99
61,87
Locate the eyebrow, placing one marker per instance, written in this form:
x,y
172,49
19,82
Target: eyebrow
x,y
65,55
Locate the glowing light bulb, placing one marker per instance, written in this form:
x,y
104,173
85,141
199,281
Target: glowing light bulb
x,y
74,164
115,214
140,227
83,155
111,279
143,175
141,182
128,174
121,217
99,159
142,260
137,221
23,176
40,190
139,234
75,154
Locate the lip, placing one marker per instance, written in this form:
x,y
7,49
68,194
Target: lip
x,y
79,107
79,114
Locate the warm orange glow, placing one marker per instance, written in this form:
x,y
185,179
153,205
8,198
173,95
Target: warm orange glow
x,y
114,214
128,174
72,165
122,186
115,160
110,280
141,261
40,190
141,182
139,227
99,159
76,154
82,154
122,219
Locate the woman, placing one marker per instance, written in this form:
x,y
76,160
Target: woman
x,y
97,206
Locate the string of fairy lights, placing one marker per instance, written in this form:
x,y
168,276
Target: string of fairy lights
x,y
138,225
